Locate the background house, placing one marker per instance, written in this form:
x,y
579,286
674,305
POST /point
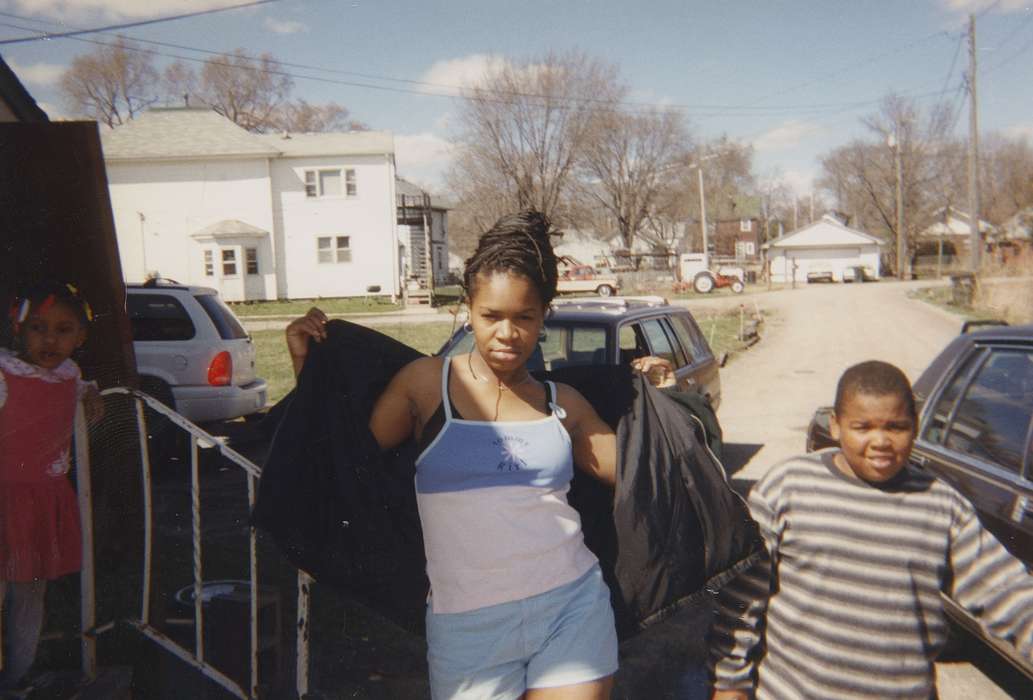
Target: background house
x,y
200,200
827,245
952,231
422,235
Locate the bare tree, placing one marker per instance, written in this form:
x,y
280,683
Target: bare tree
x,y
301,116
523,127
1006,176
861,176
249,90
111,84
625,166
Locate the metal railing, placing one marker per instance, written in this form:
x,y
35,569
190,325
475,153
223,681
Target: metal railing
x,y
196,658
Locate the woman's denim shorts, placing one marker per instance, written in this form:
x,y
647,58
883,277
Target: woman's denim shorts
x,y
561,637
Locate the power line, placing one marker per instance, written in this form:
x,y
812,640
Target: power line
x,y
131,25
699,110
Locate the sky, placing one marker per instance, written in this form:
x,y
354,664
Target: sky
x,y
791,77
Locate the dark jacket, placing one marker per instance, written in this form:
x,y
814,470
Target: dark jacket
x,y
346,513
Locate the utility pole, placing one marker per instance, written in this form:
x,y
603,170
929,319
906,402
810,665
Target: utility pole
x,y
975,242
897,164
703,212
810,219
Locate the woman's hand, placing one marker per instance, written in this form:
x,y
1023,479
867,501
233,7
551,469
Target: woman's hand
x,y
730,695
300,330
658,371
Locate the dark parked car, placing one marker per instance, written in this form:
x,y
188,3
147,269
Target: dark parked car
x,y
596,331
975,431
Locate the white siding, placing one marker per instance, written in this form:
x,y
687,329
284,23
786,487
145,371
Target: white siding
x,y
158,205
368,219
832,259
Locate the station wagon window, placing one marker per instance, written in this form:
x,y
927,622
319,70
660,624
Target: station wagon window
x,y
992,419
691,337
158,317
251,260
209,265
658,340
229,262
331,249
632,343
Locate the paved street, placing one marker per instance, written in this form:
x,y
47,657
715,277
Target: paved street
x,y
817,331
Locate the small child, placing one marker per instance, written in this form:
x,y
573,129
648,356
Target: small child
x,y
861,545
40,386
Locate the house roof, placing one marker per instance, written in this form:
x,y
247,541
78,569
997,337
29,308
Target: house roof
x,y
955,217
346,143
230,228
827,232
181,132
17,98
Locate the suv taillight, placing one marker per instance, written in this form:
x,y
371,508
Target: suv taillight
x,y
220,372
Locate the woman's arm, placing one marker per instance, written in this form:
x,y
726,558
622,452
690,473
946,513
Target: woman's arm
x,y
396,414
310,326
594,443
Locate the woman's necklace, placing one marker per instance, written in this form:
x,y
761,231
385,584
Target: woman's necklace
x,y
502,387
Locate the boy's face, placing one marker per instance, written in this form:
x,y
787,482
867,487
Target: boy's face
x,y
49,337
875,434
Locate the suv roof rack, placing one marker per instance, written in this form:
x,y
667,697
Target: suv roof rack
x,y
610,302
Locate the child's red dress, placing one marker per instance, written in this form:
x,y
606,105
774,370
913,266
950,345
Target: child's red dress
x,y
40,536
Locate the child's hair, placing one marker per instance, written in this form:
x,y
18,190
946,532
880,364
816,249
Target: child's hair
x,y
39,296
518,243
875,378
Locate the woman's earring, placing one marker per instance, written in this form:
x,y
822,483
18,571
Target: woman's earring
x,y
468,327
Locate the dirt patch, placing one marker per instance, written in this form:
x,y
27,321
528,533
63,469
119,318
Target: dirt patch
x,y
1008,298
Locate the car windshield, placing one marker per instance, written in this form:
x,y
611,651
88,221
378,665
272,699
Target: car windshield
x,y
225,322
564,345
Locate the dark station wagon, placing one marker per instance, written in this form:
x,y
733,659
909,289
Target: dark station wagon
x,y
613,331
975,431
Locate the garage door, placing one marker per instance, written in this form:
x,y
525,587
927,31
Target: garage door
x,y
825,260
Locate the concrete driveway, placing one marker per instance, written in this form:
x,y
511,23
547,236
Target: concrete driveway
x,y
815,332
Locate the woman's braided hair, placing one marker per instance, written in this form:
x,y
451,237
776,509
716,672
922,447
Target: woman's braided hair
x,y
517,244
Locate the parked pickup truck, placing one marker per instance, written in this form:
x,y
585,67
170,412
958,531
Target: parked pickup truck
x,y
579,279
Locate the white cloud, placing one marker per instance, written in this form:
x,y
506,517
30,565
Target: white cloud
x,y
1004,6
42,74
1020,131
113,9
423,157
451,75
785,136
800,181
284,26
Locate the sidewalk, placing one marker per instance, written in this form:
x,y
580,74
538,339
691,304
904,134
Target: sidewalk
x,y
415,314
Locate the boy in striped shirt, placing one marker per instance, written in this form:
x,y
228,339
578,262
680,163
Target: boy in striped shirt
x,y
847,604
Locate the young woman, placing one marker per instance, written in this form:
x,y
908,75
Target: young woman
x,y
518,607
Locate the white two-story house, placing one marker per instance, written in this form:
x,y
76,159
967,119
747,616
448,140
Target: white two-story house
x,y
200,200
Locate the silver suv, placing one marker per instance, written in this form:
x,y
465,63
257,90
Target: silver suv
x,y
192,354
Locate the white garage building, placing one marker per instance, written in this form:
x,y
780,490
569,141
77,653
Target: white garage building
x,y
825,246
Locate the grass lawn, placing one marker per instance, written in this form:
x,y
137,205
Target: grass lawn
x,y
298,307
942,296
273,363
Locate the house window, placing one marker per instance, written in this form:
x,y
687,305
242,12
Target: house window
x,y
745,225
331,249
209,264
328,183
251,260
229,262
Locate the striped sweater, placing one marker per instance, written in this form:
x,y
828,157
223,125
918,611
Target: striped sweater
x,y
848,604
